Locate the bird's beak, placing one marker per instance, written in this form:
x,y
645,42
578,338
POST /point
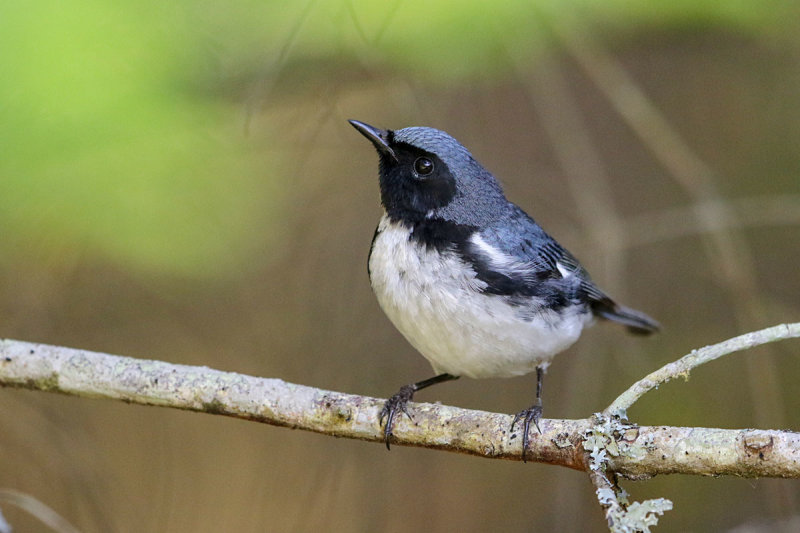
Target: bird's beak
x,y
378,137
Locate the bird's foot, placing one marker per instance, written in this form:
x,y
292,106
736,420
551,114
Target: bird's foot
x,y
398,402
531,414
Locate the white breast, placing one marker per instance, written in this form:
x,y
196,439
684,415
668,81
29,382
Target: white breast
x,y
434,300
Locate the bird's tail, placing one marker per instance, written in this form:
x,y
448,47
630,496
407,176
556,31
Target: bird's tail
x,y
636,321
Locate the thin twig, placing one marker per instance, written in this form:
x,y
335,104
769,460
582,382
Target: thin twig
x,y
36,508
752,212
685,364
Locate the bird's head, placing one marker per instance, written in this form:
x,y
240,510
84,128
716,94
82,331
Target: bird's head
x,y
426,173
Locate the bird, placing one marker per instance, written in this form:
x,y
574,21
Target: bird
x,y
471,281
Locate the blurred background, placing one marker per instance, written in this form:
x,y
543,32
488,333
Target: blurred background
x,y
178,182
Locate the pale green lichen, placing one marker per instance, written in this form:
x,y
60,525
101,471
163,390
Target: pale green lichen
x,y
600,441
623,496
639,517
609,437
606,496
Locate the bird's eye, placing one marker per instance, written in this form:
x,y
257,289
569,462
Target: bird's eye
x,y
423,166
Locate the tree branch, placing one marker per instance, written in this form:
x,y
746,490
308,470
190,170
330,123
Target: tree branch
x,y
635,452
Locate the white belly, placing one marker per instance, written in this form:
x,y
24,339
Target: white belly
x,y
433,299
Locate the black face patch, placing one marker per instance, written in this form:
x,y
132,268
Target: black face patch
x,y
414,184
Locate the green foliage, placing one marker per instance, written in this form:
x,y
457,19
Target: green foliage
x,y
449,41
116,140
105,151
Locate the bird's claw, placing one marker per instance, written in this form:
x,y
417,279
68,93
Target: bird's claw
x,y
398,402
531,414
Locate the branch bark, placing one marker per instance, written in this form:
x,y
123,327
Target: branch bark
x,y
635,452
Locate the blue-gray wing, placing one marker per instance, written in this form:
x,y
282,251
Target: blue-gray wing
x,y
517,258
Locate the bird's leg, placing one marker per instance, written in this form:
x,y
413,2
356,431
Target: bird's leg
x,y
531,414
399,401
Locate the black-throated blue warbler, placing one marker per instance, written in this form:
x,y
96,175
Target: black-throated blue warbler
x,y
469,279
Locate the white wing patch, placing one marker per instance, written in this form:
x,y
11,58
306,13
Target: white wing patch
x,y
565,272
501,261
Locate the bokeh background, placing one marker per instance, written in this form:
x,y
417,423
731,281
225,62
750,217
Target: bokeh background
x,y
178,182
